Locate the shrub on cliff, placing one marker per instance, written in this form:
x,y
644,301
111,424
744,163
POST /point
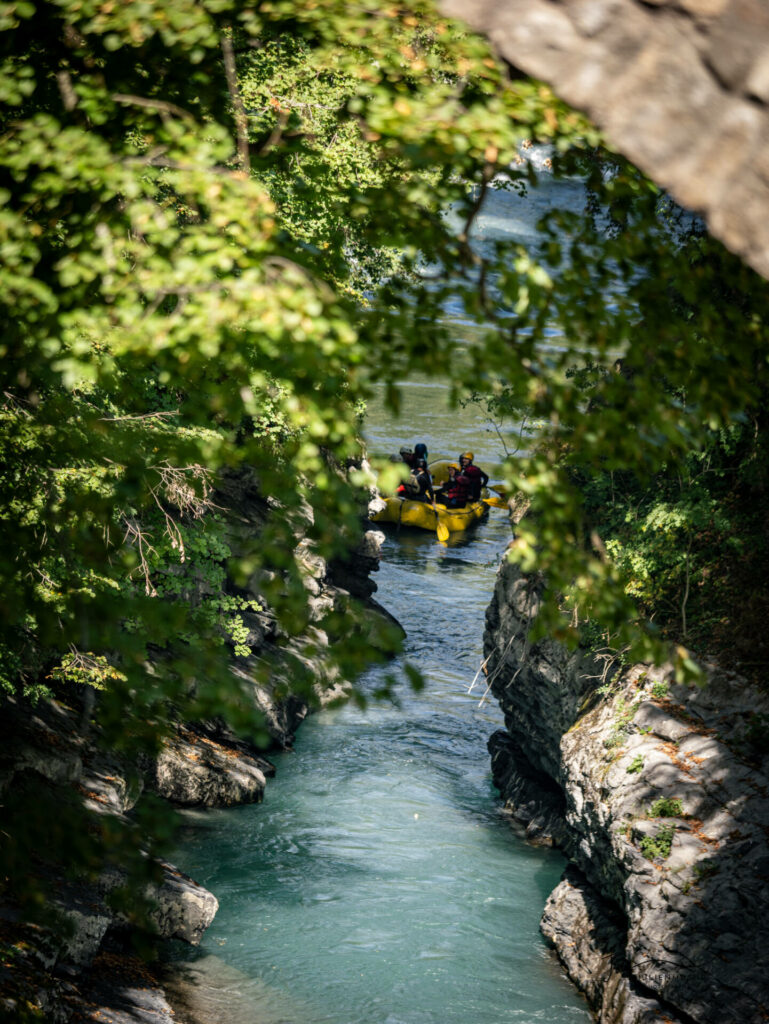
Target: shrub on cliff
x,y
658,846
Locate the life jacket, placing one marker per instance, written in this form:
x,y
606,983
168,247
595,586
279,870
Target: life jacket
x,y
418,485
458,489
424,480
475,477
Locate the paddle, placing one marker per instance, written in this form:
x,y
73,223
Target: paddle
x,y
495,502
440,527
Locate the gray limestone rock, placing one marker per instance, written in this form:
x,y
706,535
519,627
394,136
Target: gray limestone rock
x,y
89,926
681,87
45,739
531,799
121,989
182,908
194,769
353,573
646,787
588,936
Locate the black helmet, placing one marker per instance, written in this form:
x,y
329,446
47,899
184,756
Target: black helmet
x,y
420,450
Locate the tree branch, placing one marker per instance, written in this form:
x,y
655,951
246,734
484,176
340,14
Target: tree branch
x,y
276,134
138,416
487,175
66,90
155,159
162,106
241,118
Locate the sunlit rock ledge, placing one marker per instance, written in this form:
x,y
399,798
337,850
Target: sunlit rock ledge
x,y
658,917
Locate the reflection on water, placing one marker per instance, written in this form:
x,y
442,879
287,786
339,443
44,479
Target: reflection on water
x,y
209,991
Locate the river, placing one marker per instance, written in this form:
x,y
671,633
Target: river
x,y
379,882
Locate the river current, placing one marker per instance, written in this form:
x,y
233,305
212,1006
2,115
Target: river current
x,y
379,882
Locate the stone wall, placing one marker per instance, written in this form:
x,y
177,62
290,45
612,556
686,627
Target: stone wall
x,y
680,87
656,919
82,968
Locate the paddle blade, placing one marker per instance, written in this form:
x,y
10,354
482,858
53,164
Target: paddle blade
x,y
443,532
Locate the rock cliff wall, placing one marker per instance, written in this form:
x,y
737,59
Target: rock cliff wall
x,y
659,795
83,967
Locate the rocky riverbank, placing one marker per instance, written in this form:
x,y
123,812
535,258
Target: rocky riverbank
x,y
659,796
84,967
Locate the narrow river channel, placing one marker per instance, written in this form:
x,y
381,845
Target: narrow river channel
x,y
379,882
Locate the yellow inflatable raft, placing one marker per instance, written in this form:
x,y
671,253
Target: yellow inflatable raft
x,y
423,515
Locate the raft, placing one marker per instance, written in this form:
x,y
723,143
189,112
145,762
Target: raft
x,y
422,514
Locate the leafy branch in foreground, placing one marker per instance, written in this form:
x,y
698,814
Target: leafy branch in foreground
x,y
214,244
650,399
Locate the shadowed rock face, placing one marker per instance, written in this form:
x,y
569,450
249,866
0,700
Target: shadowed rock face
x,y
658,918
680,87
588,937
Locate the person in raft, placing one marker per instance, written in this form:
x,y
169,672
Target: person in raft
x,y
455,492
478,479
411,458
419,486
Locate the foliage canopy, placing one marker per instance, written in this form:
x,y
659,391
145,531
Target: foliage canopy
x,y
215,221
221,223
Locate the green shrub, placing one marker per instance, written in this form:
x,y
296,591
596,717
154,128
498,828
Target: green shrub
x,y
657,847
660,691
636,765
624,716
666,807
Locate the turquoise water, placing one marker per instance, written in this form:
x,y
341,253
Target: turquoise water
x,y
379,882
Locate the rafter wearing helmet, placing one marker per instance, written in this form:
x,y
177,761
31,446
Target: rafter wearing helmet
x,y
474,474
